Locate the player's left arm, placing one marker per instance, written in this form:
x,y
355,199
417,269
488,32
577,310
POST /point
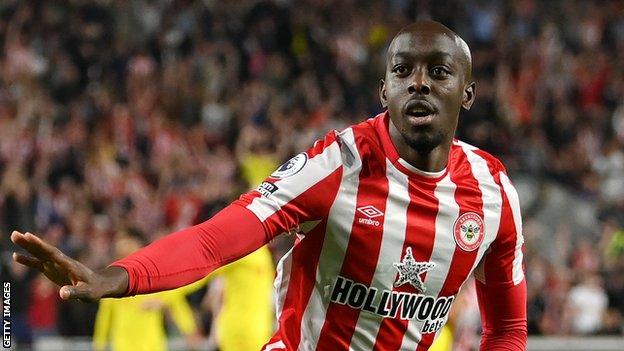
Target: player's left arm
x,y
500,281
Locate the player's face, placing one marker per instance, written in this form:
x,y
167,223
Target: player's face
x,y
425,87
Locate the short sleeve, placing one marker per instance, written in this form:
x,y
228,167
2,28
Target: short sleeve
x,y
300,190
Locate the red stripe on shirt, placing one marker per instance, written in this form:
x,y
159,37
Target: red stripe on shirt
x,y
468,197
420,235
360,260
305,256
301,283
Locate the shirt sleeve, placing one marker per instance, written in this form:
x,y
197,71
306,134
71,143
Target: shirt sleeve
x,y
298,191
301,190
188,255
500,283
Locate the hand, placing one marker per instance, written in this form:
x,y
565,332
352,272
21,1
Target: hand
x,y
77,281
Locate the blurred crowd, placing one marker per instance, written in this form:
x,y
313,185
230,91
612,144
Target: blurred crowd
x,y
149,116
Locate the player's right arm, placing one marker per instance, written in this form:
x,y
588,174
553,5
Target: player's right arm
x,y
173,261
190,254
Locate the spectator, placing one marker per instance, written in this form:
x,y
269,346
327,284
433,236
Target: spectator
x,y
586,305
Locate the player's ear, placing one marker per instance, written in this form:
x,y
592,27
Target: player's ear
x,y
469,96
382,93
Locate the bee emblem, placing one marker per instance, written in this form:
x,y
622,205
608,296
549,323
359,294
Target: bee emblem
x,y
470,230
469,233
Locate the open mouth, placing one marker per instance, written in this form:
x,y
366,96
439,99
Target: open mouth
x,y
420,111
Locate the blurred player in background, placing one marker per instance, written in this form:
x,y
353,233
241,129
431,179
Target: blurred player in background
x,y
244,319
244,316
444,341
137,323
391,217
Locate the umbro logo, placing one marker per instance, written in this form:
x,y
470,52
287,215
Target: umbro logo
x,y
370,212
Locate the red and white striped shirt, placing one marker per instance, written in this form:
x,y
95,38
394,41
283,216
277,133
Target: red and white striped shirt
x,y
358,210
383,248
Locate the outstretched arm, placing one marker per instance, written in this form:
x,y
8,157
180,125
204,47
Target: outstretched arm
x,y
282,204
175,260
191,254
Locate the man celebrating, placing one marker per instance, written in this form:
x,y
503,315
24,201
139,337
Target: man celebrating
x,y
391,215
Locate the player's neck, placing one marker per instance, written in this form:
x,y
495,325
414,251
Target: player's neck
x,y
432,161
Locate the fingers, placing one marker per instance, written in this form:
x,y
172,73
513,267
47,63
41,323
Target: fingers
x,y
69,292
28,261
55,265
34,245
48,259
41,249
17,237
30,243
65,292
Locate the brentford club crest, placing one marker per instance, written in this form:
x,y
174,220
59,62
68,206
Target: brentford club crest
x,y
469,231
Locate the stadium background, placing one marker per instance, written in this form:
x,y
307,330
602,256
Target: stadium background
x,y
151,115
